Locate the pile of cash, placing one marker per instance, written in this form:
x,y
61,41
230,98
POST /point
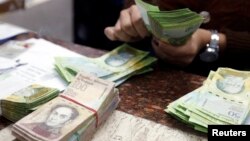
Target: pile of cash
x,y
223,100
174,27
26,100
72,116
27,76
117,65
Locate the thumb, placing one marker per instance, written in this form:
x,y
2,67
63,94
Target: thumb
x,y
110,33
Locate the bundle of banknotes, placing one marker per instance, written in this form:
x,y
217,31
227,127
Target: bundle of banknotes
x,y
117,65
72,116
27,76
223,99
26,100
174,27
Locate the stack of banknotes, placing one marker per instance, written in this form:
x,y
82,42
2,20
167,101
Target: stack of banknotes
x,y
117,65
223,99
27,76
26,100
72,116
174,27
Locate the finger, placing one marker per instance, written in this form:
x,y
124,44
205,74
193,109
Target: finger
x,y
110,33
126,24
167,57
120,34
138,22
164,50
158,52
179,51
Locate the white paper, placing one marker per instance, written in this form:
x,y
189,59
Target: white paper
x,y
38,69
125,127
8,30
5,134
121,126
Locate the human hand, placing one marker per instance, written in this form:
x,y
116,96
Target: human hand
x,y
129,27
182,55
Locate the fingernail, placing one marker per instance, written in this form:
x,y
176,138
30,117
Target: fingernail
x,y
109,33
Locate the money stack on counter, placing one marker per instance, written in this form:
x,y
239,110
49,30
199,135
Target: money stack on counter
x,y
117,65
223,99
24,101
27,76
174,27
74,115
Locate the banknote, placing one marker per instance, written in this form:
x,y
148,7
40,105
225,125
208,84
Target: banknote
x,y
89,90
233,112
24,101
85,99
117,65
140,65
231,84
67,75
73,65
174,26
87,131
174,29
45,124
222,99
144,8
121,58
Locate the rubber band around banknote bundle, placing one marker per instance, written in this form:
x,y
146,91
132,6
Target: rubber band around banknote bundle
x,y
89,108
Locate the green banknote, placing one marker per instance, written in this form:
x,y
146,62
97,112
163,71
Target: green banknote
x,y
223,99
174,26
85,99
185,109
232,112
72,65
117,65
121,58
24,101
65,73
231,84
144,8
138,66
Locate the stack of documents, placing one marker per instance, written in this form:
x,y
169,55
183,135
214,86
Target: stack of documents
x,y
174,27
74,114
223,99
117,65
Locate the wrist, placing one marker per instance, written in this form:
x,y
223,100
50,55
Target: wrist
x,y
206,38
211,53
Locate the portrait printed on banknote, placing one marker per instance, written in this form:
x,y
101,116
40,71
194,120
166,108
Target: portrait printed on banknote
x,y
120,58
59,116
231,84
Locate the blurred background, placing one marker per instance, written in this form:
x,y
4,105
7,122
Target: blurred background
x,y
78,21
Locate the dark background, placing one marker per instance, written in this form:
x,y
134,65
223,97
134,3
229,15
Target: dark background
x,y
90,19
